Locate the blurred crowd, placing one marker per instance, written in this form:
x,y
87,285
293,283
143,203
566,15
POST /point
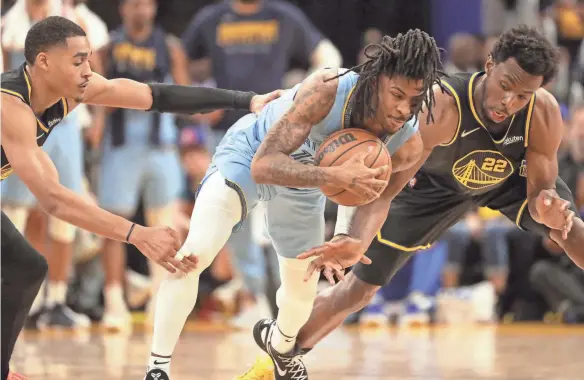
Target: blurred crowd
x,y
148,166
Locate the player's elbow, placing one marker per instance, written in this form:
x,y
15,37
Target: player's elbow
x,y
260,170
51,200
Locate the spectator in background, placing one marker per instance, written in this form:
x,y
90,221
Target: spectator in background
x,y
139,154
559,281
571,160
51,236
463,50
249,44
489,229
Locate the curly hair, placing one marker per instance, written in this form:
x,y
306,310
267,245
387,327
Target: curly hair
x,y
534,53
413,55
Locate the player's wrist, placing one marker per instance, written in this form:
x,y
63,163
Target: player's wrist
x,y
134,233
332,175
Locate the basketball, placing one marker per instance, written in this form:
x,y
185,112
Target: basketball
x,y
340,147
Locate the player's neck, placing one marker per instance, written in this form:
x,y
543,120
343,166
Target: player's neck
x,y
41,95
246,9
139,34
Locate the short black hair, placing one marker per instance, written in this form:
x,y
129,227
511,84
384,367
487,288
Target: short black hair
x,y
413,55
47,33
534,53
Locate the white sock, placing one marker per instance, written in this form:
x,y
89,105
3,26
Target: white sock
x,y
217,210
295,299
160,362
56,293
114,299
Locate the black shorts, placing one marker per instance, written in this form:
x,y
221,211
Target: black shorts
x,y
421,213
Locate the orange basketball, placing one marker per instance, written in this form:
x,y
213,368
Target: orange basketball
x,y
341,146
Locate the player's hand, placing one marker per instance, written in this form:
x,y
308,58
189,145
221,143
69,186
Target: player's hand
x,y
356,177
333,257
161,244
554,212
258,102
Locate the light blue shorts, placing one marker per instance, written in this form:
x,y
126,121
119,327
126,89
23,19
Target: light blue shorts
x,y
294,217
130,171
65,148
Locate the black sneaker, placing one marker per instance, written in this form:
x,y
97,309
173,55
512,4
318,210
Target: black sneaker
x,y
286,367
62,316
156,374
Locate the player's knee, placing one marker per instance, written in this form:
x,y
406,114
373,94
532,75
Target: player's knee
x,y
61,231
204,250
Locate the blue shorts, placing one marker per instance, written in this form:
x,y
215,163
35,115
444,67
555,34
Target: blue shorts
x,y
130,171
65,148
294,217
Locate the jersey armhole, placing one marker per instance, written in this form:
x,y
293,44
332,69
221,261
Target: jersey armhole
x,y
528,120
452,92
16,94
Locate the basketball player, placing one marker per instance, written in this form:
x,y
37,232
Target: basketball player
x,y
493,143
141,50
55,78
270,158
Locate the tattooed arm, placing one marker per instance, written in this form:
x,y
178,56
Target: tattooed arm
x,y
272,163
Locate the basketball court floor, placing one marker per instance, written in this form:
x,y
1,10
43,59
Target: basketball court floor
x,y
211,352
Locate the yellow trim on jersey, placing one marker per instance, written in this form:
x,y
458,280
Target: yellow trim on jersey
x,y
457,99
400,247
528,120
476,116
10,92
41,125
345,106
27,83
520,214
65,107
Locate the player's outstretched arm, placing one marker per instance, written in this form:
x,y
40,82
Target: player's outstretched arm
x,y
34,167
356,227
126,93
543,141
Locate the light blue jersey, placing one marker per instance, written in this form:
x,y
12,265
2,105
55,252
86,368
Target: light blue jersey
x,y
289,210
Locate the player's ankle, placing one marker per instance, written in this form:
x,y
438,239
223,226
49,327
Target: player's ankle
x,y
159,361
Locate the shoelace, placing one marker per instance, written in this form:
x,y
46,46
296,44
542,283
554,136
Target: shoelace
x,y
296,367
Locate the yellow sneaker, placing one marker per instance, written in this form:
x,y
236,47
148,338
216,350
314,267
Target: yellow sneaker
x,y
262,369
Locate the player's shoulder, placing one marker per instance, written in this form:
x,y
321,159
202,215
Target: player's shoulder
x,y
546,109
13,84
18,112
545,100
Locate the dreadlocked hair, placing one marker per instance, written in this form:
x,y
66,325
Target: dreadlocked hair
x,y
413,55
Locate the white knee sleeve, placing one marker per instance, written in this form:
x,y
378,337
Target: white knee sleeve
x,y
61,231
217,210
18,215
